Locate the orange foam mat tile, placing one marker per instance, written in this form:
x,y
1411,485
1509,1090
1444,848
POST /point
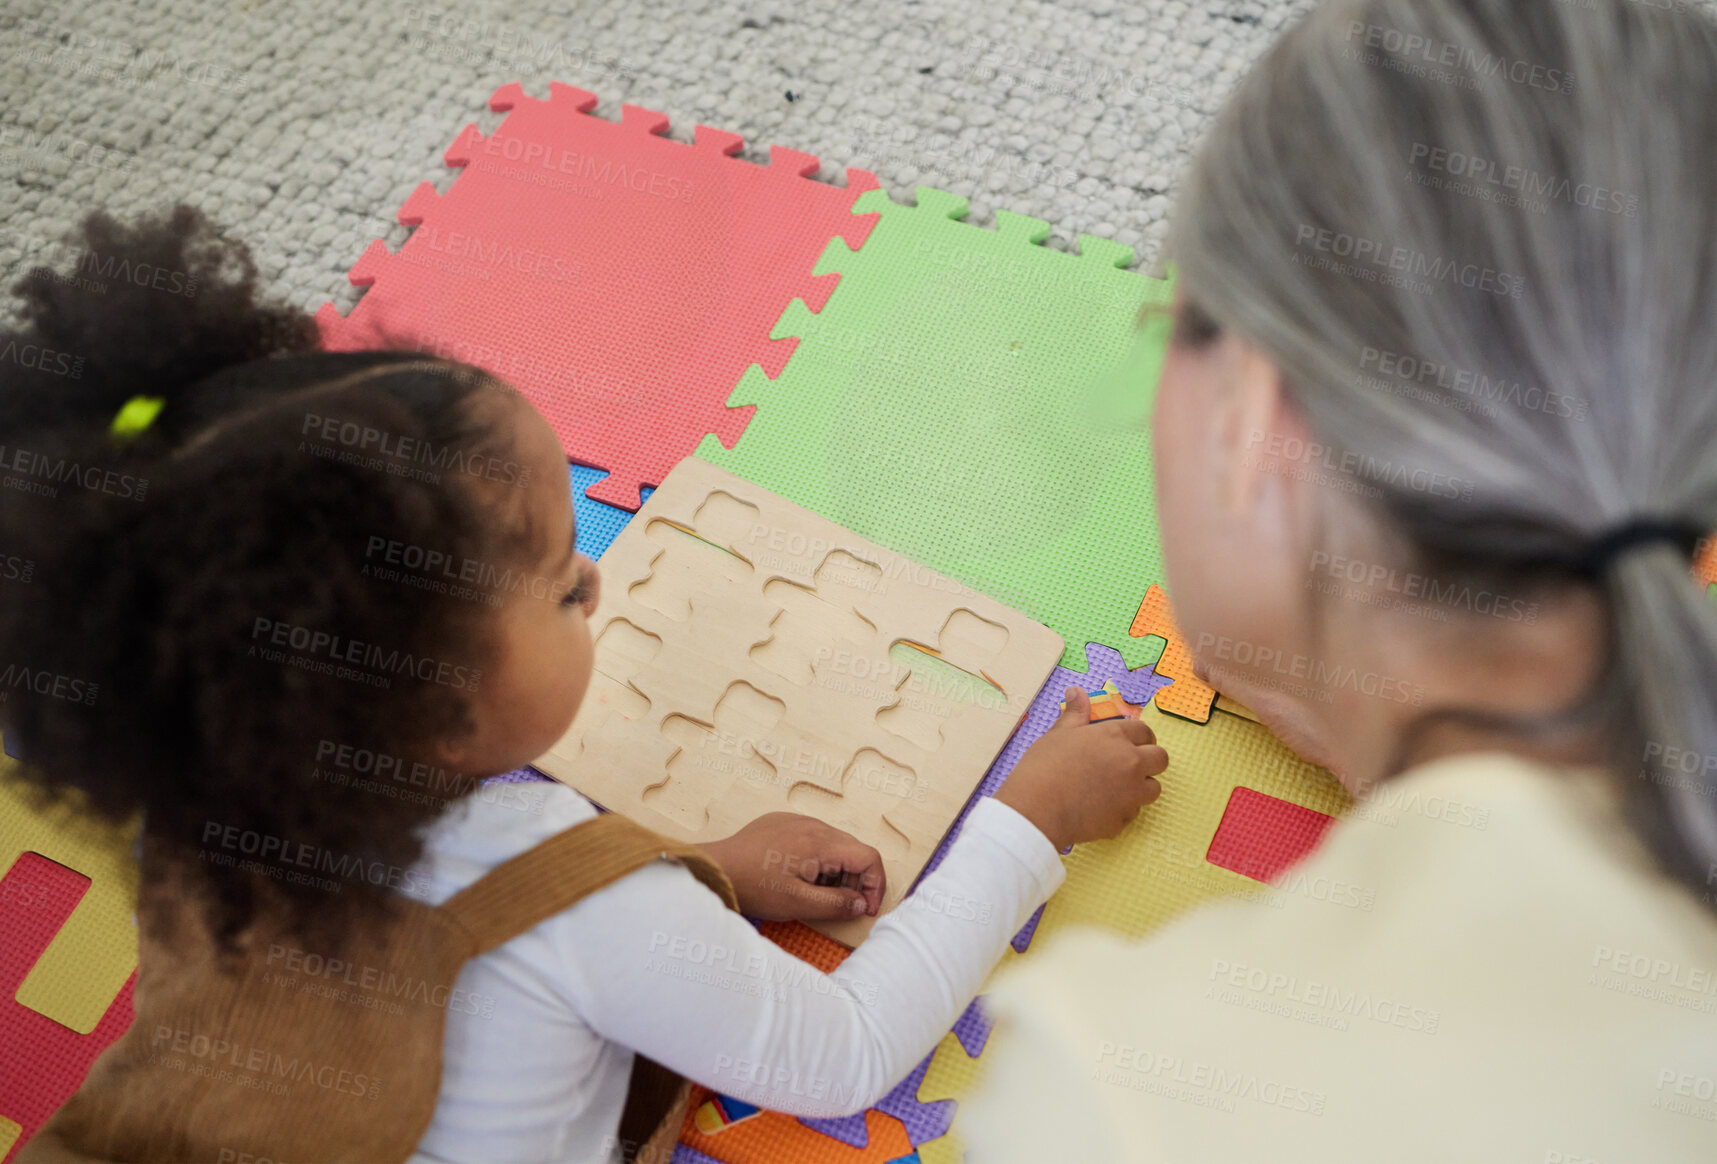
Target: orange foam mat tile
x,y
805,944
1705,560
773,1138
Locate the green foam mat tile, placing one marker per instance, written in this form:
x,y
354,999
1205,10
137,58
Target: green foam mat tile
x,y
979,403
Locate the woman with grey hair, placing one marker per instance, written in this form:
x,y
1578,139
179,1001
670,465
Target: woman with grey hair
x,y
1439,409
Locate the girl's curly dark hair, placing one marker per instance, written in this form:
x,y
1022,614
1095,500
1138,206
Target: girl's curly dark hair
x,y
191,626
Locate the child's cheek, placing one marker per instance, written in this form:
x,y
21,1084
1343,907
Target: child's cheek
x,y
578,662
562,657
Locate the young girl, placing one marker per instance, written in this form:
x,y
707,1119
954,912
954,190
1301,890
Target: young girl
x,y
264,612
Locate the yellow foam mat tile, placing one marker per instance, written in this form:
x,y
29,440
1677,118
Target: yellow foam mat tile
x,y
951,1076
1235,707
1156,870
9,1132
78,976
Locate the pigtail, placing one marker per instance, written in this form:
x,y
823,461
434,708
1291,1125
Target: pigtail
x,y
146,308
139,670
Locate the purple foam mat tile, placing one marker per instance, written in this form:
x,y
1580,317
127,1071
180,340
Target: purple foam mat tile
x,y
1136,686
1026,932
973,1028
849,1130
523,775
924,1121
1104,663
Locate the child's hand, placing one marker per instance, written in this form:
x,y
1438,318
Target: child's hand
x,y
1084,781
785,866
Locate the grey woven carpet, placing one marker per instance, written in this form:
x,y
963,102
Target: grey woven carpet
x,y
301,127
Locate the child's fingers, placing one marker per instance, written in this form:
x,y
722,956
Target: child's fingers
x,y
1156,760
857,865
1137,731
1077,711
828,903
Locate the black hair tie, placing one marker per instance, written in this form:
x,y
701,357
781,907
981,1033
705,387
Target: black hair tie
x,y
1598,556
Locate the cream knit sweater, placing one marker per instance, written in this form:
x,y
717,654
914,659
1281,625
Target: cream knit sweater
x,y
1528,991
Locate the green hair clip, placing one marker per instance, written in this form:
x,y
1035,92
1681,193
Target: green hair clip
x,y
135,415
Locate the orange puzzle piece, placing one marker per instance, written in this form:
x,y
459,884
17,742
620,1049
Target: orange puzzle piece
x,y
1187,696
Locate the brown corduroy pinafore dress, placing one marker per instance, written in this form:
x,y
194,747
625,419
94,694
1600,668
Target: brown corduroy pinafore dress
x,y
300,1059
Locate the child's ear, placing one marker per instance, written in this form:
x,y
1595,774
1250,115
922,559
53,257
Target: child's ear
x,y
453,750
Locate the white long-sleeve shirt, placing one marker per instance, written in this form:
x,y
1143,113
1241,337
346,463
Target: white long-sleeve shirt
x,y
538,1053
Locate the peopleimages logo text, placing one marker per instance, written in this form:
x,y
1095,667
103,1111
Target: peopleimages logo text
x,y
366,438
605,171
1325,676
42,359
1432,51
358,653
1415,263
36,468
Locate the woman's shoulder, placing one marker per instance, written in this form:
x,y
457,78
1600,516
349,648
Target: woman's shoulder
x,y
503,818
1468,867
1506,955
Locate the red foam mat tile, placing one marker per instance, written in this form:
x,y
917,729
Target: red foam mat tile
x,y
41,1062
1261,837
622,280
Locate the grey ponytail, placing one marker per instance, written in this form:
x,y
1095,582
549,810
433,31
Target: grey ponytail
x,y
1507,192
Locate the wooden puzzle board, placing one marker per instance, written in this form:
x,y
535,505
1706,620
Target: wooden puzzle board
x,y
753,657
